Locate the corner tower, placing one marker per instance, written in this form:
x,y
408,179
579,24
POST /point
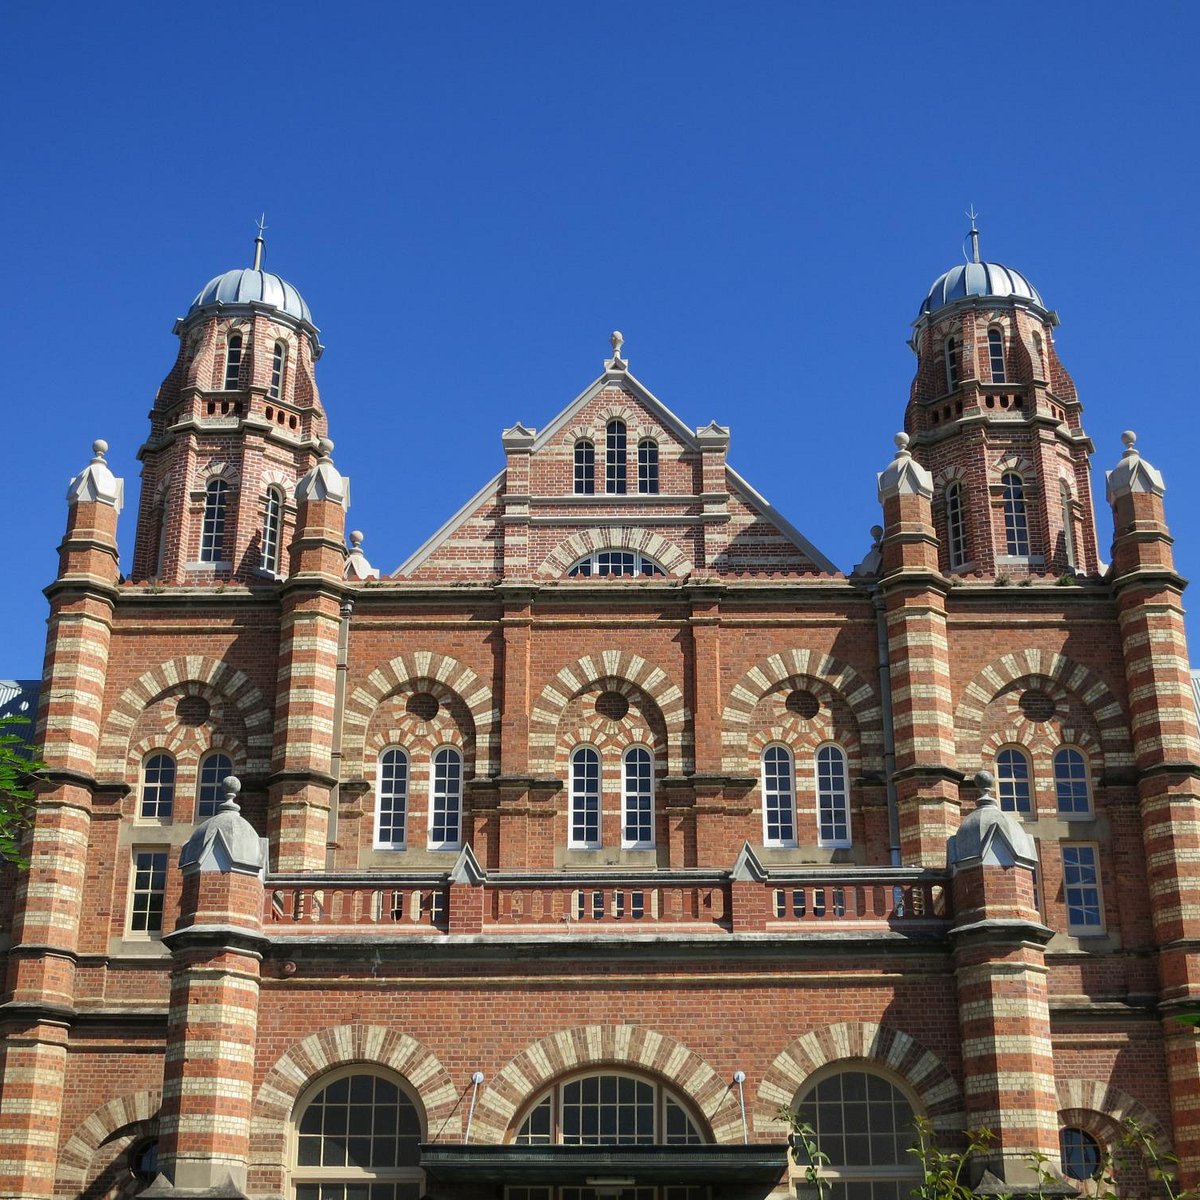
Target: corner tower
x,y
235,425
994,417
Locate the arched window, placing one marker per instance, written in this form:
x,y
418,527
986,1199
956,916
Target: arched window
x,y
614,458
996,354
615,562
638,800
1016,521
272,529
391,800
1080,1154
1071,782
585,468
779,796
212,531
956,526
359,1136
233,362
209,797
585,799
445,809
950,351
833,797
1068,522
648,466
158,788
1012,781
864,1123
278,368
608,1110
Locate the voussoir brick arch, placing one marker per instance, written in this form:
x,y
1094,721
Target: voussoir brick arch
x,y
1091,691
210,677
859,696
1080,1100
384,681
653,545
614,665
342,1046
76,1157
625,1047
851,1042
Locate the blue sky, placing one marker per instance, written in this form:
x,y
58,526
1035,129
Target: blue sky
x,y
471,196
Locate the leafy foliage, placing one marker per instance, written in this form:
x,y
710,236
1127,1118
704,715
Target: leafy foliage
x,y
18,764
943,1171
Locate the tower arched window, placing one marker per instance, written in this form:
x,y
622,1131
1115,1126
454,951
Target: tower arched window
x,y
585,467
272,529
158,788
585,799
233,362
614,458
1068,522
278,370
209,797
1013,785
1071,782
833,797
638,799
956,526
212,531
648,466
445,809
950,354
391,800
1016,519
996,354
779,797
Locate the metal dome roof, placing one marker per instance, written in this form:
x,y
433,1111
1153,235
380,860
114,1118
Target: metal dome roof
x,y
978,279
245,285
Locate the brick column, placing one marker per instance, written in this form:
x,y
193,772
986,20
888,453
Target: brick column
x,y
1166,749
40,988
302,781
1004,1015
914,596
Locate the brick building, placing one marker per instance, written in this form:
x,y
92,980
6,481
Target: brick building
x,y
559,859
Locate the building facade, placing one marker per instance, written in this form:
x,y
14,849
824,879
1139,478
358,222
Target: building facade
x,y
555,863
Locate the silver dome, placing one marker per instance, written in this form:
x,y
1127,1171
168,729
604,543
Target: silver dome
x,y
978,279
245,285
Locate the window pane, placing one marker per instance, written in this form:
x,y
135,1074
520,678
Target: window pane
x,y
233,362
391,791
996,354
352,1124
1012,781
833,800
955,526
614,463
212,532
158,787
778,807
1070,781
1081,887
585,468
272,524
1016,523
639,798
1080,1153
447,798
208,794
647,466
585,798
149,889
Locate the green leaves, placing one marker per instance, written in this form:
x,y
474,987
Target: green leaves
x,y
17,767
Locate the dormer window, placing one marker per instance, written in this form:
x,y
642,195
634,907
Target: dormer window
x,y
996,354
951,356
278,366
585,467
614,458
648,466
212,531
233,362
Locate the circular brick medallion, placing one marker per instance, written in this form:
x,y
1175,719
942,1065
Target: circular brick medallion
x,y
192,710
612,705
422,705
1036,705
803,704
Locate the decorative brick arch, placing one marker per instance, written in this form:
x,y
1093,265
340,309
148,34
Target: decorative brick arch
x,y
860,1041
1087,686
209,675
408,668
339,1046
75,1158
858,694
1079,1097
585,672
628,1046
653,545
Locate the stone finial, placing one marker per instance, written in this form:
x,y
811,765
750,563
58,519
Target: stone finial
x,y
231,787
985,781
322,481
357,566
989,836
617,341
1133,473
873,560
226,843
96,482
904,476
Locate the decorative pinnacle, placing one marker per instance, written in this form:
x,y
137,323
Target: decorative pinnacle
x,y
974,234
231,785
324,447
985,781
261,223
616,341
99,449
356,538
876,533
901,439
1129,441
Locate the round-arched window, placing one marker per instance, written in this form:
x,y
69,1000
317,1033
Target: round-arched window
x,y
615,562
1080,1154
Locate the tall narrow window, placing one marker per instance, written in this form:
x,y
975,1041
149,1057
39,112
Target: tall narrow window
x,y
585,799
163,516
278,367
209,796
1040,355
779,791
212,532
149,891
585,468
1071,782
648,466
446,809
956,526
1016,521
158,788
1081,888
951,354
1068,522
833,797
233,362
1012,781
391,800
272,529
614,458
639,798
996,354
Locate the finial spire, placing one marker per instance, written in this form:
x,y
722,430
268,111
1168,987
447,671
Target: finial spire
x,y
261,223
974,234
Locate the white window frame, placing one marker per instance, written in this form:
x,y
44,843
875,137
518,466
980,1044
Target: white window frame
x,y
832,797
391,795
1016,515
272,531
956,526
616,449
1076,778
647,467
160,869
158,817
951,361
212,526
1011,781
233,362
585,467
440,799
637,795
206,764
577,796
995,337
771,797
1087,889
279,357
644,566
